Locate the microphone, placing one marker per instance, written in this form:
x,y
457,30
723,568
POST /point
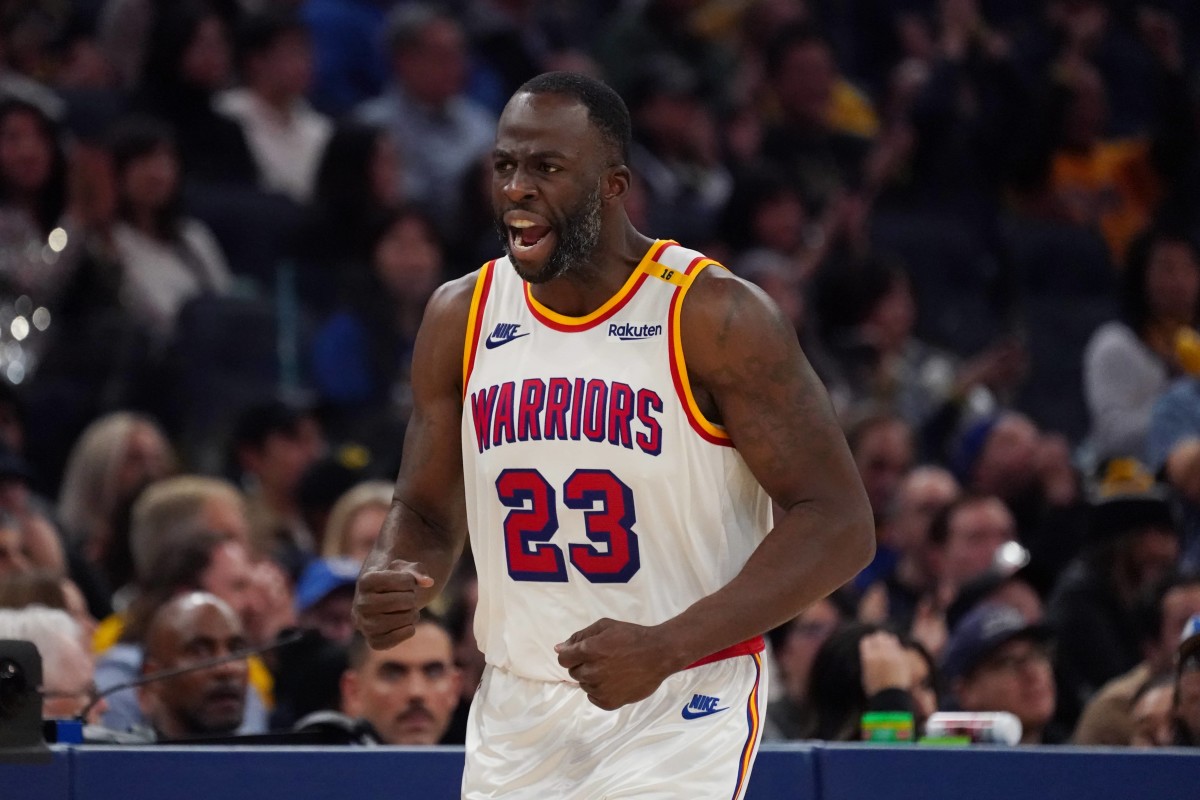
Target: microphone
x,y
283,640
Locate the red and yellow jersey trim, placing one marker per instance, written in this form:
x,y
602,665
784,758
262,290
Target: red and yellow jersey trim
x,y
708,431
561,322
754,723
483,287
749,647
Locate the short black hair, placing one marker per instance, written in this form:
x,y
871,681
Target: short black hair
x,y
1135,307
258,422
606,110
357,650
261,31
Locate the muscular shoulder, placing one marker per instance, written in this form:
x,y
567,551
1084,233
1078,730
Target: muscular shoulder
x,y
726,320
443,332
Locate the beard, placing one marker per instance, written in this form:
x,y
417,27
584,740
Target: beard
x,y
577,235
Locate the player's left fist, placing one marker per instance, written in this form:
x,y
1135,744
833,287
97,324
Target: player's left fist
x,y
615,663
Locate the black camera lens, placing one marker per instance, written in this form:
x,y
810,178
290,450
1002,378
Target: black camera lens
x,y
13,684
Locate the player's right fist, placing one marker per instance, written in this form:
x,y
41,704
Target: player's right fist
x,y
385,602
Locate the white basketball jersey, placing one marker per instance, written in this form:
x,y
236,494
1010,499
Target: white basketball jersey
x,y
595,487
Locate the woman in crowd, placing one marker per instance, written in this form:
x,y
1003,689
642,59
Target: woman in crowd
x,y
356,185
864,668
355,520
1129,362
113,460
165,257
362,352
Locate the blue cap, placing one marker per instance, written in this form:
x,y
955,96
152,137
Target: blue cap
x,y
322,576
981,632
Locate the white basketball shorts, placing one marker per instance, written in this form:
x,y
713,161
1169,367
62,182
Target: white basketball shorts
x,y
695,737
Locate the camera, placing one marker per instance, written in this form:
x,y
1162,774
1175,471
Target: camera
x,y
21,703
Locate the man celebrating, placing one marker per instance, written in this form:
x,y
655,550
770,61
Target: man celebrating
x,y
627,413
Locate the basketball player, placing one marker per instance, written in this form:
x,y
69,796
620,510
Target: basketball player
x,y
610,417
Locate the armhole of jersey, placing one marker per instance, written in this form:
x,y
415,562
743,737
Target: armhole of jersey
x,y
483,285
709,431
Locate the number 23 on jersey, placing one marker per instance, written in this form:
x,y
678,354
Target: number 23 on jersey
x,y
608,515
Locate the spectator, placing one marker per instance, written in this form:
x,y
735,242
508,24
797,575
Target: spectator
x,y
1110,717
1133,544
663,28
407,692
207,702
324,596
426,103
41,233
1187,685
67,686
795,645
187,62
357,185
816,143
14,555
1173,451
870,323
356,520
965,538
1007,456
676,151
996,661
882,445
1092,178
173,508
112,461
166,258
351,65
894,592
1129,363
865,668
40,538
273,444
43,588
285,136
361,354
203,562
1152,714
1003,584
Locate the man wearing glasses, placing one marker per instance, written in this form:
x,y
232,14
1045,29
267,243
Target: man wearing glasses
x,y
997,661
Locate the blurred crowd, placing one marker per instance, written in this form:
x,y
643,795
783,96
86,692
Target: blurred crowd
x,y
220,221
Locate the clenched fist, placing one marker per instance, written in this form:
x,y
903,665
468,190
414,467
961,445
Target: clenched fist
x,y
385,602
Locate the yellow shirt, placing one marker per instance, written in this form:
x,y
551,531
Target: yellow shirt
x,y
1111,187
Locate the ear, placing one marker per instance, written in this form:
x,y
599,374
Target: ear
x,y
615,183
349,685
457,680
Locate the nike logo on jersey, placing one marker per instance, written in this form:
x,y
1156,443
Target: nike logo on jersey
x,y
628,332
505,332
702,706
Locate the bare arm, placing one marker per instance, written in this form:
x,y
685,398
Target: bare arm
x,y
745,362
749,374
425,529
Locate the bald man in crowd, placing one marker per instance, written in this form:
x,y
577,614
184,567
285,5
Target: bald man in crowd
x,y
209,702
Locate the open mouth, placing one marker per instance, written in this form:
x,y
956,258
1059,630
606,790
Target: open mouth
x,y
527,238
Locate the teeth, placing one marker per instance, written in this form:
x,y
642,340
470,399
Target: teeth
x,y
521,223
